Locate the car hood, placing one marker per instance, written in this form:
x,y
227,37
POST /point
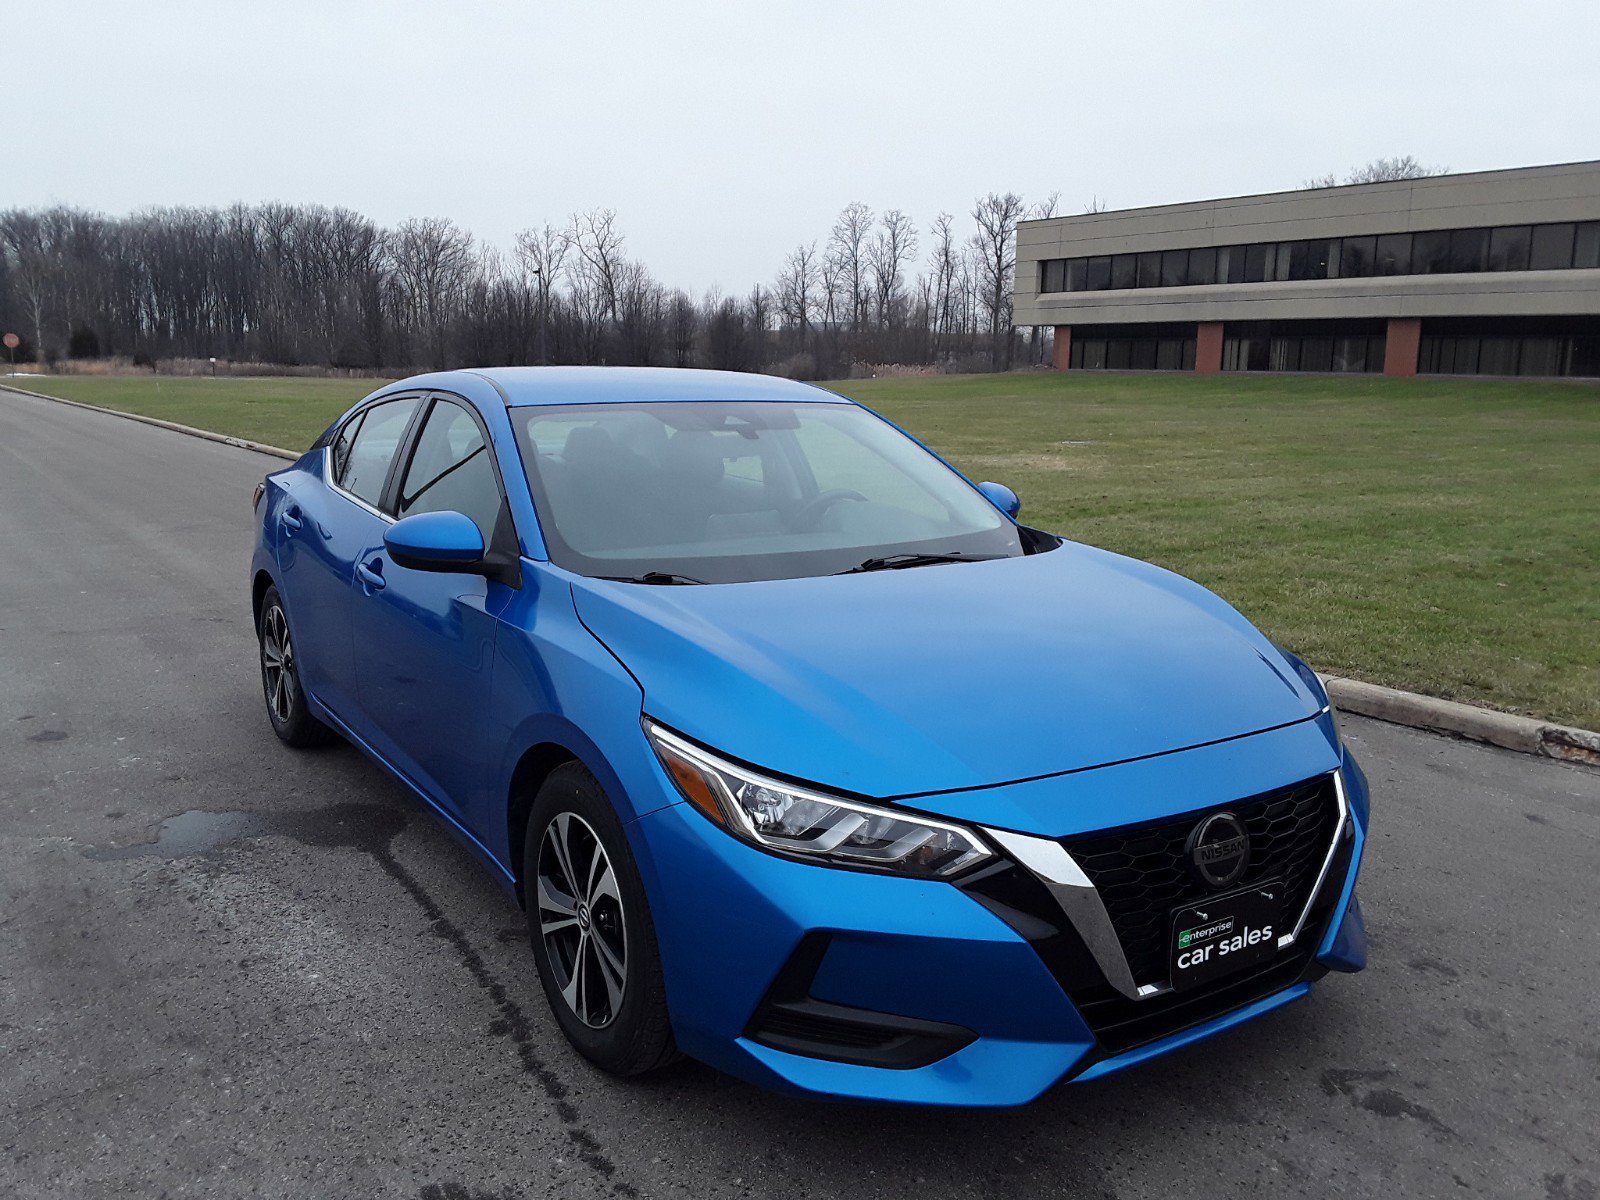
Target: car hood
x,y
941,678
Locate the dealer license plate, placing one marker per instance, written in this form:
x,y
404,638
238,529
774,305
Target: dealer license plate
x,y
1225,934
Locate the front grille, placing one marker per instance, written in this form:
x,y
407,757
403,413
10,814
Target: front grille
x,y
1142,873
1121,1024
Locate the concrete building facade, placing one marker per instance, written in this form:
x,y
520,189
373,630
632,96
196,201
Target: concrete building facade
x,y
1491,273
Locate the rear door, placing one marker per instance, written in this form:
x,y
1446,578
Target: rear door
x,y
424,640
323,531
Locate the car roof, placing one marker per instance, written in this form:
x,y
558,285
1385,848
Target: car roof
x,y
523,386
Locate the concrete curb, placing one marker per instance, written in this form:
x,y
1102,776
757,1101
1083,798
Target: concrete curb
x,y
208,435
1524,734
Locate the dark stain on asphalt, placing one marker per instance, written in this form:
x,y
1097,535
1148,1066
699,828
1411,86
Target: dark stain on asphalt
x,y
1537,819
48,735
1357,1087
460,1191
1569,1187
372,828
1427,965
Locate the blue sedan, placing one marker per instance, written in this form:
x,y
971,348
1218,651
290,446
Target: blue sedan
x,y
803,756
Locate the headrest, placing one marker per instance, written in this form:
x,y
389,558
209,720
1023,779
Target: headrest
x,y
589,446
693,459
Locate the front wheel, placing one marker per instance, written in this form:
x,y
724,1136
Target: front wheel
x,y
287,707
593,940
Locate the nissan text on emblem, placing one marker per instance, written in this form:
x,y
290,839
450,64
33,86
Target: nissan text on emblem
x,y
1219,849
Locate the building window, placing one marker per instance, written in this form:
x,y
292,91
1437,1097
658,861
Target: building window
x,y
1537,346
1469,250
1260,262
1230,264
1343,346
1508,248
1393,254
1552,248
1586,249
1159,347
1308,260
1356,257
1430,252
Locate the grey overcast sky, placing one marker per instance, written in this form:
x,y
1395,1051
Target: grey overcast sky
x,y
726,133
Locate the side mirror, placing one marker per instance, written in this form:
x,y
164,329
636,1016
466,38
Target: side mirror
x,y
1002,497
436,541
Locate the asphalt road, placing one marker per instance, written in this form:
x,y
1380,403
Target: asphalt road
x,y
314,992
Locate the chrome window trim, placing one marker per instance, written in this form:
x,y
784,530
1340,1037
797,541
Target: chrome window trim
x,y
1081,904
327,475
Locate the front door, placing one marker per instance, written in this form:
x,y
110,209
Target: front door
x,y
424,640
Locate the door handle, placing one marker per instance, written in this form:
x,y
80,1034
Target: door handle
x,y
291,519
371,575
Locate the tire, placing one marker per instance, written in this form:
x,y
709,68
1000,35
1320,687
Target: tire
x,y
287,708
616,1018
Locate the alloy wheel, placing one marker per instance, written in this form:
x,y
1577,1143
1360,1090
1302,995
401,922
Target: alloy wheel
x,y
581,920
277,663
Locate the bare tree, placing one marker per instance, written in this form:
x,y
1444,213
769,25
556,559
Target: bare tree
x,y
543,252
892,247
1380,170
431,260
683,327
995,246
598,241
847,247
943,263
797,285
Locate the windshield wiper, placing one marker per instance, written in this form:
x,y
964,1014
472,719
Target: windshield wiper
x,y
664,577
896,562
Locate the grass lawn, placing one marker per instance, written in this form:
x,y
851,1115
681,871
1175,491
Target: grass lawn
x,y
1436,535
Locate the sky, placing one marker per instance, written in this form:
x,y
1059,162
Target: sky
x,y
726,134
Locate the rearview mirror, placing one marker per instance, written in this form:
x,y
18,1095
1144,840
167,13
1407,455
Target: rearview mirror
x,y
436,541
1002,497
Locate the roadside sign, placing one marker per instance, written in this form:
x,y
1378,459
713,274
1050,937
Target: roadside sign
x,y
12,341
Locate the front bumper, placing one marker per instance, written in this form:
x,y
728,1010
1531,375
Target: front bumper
x,y
739,929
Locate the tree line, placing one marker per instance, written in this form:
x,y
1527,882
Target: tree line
x,y
317,286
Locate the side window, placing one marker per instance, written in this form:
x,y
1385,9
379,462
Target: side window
x,y
451,470
372,449
342,444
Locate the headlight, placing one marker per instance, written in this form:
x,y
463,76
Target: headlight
x,y
791,820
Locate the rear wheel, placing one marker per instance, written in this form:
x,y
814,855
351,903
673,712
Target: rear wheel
x,y
287,708
593,941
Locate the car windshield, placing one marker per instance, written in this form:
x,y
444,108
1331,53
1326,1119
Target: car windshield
x,y
722,492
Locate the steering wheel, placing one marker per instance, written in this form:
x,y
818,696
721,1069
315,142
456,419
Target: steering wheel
x,y
810,513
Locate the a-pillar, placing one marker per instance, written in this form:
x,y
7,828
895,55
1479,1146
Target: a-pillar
x,y
1208,348
1061,354
1401,345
